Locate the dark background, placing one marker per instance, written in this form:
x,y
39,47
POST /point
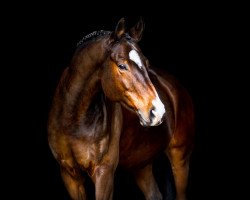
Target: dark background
x,y
194,44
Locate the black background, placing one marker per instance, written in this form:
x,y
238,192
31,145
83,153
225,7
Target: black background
x,y
192,43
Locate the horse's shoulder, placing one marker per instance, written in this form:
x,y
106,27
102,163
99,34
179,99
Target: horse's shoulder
x,y
175,95
168,83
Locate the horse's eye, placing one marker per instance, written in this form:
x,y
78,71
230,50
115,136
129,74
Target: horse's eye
x,y
122,67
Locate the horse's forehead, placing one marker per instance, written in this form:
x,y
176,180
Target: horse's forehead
x,y
126,48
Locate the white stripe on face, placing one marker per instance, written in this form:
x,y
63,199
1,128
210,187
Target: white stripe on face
x,y
134,56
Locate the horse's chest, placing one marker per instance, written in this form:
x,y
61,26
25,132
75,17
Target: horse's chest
x,y
139,145
89,153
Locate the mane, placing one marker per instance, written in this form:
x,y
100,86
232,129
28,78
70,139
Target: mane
x,y
91,37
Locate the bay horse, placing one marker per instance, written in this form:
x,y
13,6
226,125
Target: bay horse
x,y
111,108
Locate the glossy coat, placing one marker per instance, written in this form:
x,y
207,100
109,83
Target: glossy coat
x,y
94,122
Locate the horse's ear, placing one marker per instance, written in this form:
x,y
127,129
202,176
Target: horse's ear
x,y
137,30
120,29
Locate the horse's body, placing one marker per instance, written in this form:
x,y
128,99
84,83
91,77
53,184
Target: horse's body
x,y
94,126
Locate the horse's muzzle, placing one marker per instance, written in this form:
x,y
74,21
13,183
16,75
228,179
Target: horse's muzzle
x,y
155,115
151,120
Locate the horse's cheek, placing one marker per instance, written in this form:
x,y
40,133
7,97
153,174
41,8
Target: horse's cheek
x,y
108,86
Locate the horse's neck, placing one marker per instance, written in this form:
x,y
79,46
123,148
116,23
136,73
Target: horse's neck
x,y
86,109
90,57
84,98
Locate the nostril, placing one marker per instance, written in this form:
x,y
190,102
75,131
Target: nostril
x,y
152,114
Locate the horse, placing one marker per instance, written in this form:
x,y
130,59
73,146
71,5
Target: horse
x,y
110,109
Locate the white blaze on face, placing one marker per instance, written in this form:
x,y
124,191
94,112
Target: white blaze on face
x,y
158,111
134,56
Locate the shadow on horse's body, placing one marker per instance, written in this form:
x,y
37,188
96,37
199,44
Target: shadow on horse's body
x,y
93,124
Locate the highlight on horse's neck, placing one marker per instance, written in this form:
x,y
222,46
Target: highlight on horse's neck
x,y
84,64
89,91
82,78
89,57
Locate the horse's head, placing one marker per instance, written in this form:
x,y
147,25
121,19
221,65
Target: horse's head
x,y
125,77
